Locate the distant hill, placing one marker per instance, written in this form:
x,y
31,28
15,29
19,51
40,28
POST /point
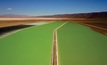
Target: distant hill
x,y
78,15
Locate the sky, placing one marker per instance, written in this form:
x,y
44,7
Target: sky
x,y
51,7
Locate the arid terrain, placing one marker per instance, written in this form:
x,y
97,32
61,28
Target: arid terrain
x,y
96,21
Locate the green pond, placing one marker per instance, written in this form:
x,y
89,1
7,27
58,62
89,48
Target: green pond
x,y
79,45
32,46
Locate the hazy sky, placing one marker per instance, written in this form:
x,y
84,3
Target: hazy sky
x,y
49,7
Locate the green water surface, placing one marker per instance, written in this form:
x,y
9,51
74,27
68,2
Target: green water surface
x,y
31,46
79,45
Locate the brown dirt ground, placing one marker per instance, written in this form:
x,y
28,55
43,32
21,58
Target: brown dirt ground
x,y
95,22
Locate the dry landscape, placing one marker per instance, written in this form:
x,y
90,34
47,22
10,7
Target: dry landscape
x,y
96,21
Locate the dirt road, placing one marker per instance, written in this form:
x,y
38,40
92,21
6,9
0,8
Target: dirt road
x,y
55,46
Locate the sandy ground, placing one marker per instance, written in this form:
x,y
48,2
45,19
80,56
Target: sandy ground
x,y
95,24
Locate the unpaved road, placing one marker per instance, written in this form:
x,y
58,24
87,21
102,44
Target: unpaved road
x,y
55,46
